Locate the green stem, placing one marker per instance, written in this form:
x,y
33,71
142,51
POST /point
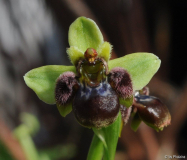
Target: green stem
x,y
23,136
109,138
96,149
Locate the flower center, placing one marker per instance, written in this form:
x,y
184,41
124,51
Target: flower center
x,y
90,55
92,70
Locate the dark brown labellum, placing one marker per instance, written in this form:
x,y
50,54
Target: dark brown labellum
x,y
96,106
152,111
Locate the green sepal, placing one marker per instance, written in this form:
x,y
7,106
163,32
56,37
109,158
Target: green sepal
x,y
140,66
42,80
104,51
64,110
84,33
109,136
74,54
127,102
135,123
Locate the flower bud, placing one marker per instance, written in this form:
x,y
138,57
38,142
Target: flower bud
x,y
152,111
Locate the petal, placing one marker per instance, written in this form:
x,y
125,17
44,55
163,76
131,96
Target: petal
x,y
66,87
141,67
74,54
84,33
42,80
121,82
105,51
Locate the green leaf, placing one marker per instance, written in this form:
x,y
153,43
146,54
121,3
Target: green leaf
x,y
74,54
96,149
84,33
64,110
22,134
105,51
42,80
141,67
109,137
135,122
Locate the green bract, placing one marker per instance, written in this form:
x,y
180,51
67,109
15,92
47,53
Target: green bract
x,y
84,34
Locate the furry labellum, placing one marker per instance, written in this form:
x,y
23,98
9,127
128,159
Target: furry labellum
x,y
96,106
152,111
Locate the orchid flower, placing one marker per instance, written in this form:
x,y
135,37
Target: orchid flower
x,y
100,92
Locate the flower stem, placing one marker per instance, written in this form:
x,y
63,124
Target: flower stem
x,y
96,149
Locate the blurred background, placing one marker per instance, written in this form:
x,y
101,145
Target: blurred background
x,y
33,33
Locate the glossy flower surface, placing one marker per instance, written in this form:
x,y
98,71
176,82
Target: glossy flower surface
x,y
151,110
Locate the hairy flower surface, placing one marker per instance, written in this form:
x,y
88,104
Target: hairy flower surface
x,y
97,89
102,93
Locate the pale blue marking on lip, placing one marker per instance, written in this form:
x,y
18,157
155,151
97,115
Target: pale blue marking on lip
x,y
87,92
